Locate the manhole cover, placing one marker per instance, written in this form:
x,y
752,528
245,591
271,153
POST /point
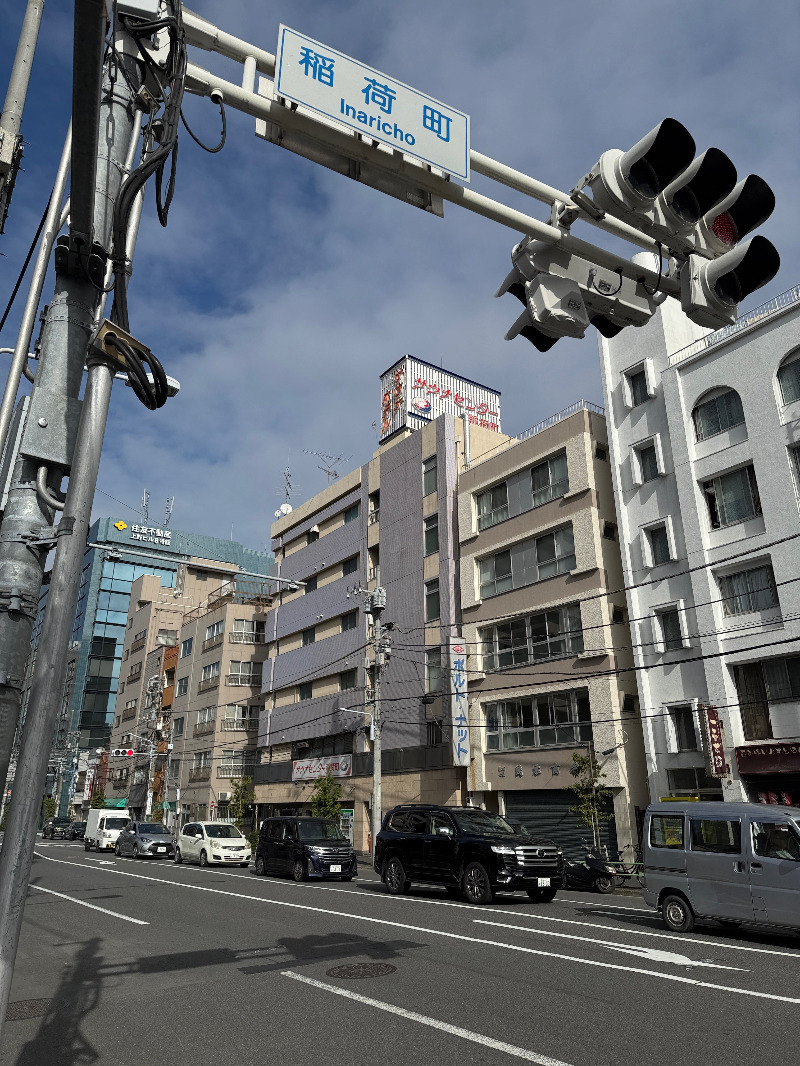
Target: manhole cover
x,y
27,1008
357,970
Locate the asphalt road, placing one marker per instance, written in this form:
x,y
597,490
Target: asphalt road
x,y
129,962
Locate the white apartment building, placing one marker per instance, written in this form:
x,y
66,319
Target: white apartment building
x,y
704,435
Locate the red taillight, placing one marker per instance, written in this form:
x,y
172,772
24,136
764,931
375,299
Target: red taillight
x,y
724,228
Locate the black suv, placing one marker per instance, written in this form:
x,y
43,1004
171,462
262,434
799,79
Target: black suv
x,y
467,850
55,827
301,847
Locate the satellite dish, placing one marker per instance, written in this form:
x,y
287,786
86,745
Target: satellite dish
x,y
286,508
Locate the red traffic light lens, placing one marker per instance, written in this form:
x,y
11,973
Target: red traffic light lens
x,y
724,228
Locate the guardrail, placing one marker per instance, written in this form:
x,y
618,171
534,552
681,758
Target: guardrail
x,y
210,682
540,427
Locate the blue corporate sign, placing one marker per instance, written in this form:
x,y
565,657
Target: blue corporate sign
x,y
342,89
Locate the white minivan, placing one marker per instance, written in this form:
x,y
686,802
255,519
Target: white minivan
x,y
103,827
211,843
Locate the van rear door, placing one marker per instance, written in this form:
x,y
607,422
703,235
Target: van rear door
x,y
718,868
775,870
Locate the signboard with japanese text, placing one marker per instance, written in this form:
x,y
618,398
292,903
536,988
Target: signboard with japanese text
x,y
413,393
769,757
311,769
458,701
363,99
544,769
716,743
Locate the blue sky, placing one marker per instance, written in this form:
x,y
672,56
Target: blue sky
x,y
280,291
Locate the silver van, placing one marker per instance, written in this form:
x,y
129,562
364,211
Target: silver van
x,y
734,862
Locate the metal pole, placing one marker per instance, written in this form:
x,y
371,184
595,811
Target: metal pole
x,y
65,338
11,118
377,609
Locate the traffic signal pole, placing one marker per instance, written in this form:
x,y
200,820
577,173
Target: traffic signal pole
x,y
67,330
11,117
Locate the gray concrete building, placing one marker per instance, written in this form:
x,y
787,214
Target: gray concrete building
x,y
704,431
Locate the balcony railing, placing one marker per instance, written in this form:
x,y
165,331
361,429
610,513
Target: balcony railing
x,y
200,773
240,725
134,675
374,516
204,727
230,770
138,643
212,642
209,683
252,680
244,637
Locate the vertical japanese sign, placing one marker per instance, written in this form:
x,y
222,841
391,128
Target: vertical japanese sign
x,y
364,99
719,768
459,707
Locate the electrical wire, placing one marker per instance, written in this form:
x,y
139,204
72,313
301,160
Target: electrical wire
x,y
223,135
28,257
153,394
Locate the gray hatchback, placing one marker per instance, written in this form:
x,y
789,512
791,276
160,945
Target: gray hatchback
x,y
145,840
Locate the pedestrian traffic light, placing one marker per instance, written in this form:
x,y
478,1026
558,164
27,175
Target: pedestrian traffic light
x,y
711,289
118,753
563,294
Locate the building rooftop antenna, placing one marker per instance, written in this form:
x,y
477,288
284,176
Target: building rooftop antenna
x,y
146,505
329,461
288,491
168,511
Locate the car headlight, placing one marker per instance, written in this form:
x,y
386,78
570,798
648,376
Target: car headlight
x,y
214,844
503,849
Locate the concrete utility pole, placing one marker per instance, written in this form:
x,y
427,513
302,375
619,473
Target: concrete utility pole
x,y
11,118
63,435
376,604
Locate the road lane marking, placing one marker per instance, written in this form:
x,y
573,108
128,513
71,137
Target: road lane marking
x,y
450,936
434,1023
91,906
641,950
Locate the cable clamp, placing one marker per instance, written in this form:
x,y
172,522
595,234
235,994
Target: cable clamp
x,y
15,600
41,537
76,256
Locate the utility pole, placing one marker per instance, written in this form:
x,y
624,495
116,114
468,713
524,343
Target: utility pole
x,y
376,604
11,118
63,435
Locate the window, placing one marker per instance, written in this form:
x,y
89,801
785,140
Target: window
x,y
347,679
215,630
244,673
201,760
206,715
433,670
680,724
309,636
601,453
719,835
547,635
310,584
648,463
782,680
139,636
431,534
718,414
492,506
306,690
749,590
609,531
430,481
312,535
550,479
248,631
666,831
527,562
350,566
210,670
669,624
186,647
495,574
776,840
789,378
183,686
167,637
732,497
629,703
693,782
540,721
637,385
432,606
130,705
435,738
349,621
658,539
351,514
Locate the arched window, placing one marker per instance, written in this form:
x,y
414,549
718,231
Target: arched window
x,y
721,410
789,377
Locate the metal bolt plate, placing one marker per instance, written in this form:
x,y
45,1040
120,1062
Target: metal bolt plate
x,y
27,1008
356,970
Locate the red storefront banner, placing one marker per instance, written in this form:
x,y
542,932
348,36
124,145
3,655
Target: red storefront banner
x,y
719,768
769,757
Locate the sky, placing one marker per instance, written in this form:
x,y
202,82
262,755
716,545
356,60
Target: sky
x,y
280,291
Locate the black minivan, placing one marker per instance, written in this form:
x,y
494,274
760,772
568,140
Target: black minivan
x,y
303,848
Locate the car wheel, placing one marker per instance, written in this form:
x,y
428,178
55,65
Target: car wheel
x,y
604,885
541,895
203,858
178,856
118,850
261,866
72,836
298,871
677,914
135,852
86,845
476,884
394,877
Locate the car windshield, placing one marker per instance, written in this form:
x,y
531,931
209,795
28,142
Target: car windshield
x,y
483,823
79,825
116,823
227,832
61,821
154,828
317,829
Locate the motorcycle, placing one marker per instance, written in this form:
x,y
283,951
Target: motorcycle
x,y
591,873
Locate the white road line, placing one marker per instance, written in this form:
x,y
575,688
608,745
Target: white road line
x,y
434,1023
643,952
91,906
450,936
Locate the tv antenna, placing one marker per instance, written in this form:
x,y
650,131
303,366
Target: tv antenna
x,y
168,511
288,490
146,505
329,463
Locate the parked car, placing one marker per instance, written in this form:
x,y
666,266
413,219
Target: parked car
x,y
733,862
211,844
55,827
145,840
75,830
469,851
305,847
103,827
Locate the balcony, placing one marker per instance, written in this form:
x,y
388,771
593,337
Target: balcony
x,y
200,773
209,683
239,725
128,714
247,638
138,644
213,642
374,516
253,680
202,728
134,675
235,770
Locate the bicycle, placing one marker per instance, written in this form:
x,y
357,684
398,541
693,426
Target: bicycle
x,y
629,864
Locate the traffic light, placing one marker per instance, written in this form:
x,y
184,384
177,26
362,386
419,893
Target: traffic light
x,y
711,289
749,205
118,753
563,294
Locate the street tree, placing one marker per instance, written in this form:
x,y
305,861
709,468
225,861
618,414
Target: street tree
x,y
98,799
326,797
242,796
592,798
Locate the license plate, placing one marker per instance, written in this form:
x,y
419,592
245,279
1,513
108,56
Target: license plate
x,y
160,849
543,882
336,869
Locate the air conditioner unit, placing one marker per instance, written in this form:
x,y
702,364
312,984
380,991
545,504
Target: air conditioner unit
x,y
224,796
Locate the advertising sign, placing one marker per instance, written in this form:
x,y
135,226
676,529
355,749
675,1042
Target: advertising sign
x,y
369,102
413,393
310,769
458,701
719,768
770,757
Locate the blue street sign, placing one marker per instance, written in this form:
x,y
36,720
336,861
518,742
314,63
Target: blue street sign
x,y
364,99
